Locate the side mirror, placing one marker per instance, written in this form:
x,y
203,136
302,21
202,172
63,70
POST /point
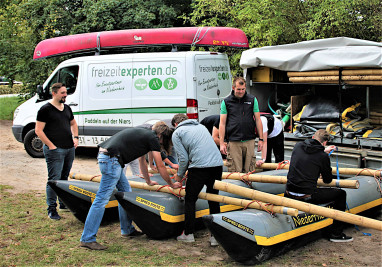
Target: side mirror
x,y
40,92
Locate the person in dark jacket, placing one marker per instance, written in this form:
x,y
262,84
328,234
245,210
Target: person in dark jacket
x,y
239,116
310,159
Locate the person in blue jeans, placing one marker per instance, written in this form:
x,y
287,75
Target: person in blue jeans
x,y
57,129
114,153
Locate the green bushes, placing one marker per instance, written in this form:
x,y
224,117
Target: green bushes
x,y
16,89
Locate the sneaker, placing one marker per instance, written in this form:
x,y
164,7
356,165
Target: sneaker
x,y
63,208
93,245
186,238
342,238
133,234
52,213
213,241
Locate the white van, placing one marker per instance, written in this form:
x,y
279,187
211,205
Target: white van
x,y
108,93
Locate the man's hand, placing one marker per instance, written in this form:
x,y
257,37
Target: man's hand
x,y
177,178
175,166
259,162
75,142
223,149
152,183
153,167
176,185
330,148
259,146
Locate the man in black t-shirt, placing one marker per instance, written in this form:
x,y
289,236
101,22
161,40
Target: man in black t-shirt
x,y
122,148
58,130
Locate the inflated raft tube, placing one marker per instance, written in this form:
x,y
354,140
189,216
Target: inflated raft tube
x,y
161,215
78,197
253,236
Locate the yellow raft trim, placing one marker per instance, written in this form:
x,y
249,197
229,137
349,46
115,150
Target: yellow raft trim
x,y
200,213
269,241
110,204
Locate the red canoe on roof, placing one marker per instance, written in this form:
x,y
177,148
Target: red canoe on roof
x,y
98,41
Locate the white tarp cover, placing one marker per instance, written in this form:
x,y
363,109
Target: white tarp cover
x,y
322,54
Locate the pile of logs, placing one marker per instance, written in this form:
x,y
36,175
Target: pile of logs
x,y
376,118
353,76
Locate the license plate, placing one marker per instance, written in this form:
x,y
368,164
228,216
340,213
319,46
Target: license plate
x,y
91,140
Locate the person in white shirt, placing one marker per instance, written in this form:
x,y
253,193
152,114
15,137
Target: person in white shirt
x,y
273,136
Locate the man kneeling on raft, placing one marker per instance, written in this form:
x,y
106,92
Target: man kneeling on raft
x,y
310,159
114,153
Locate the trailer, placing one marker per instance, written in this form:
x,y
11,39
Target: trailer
x,y
333,84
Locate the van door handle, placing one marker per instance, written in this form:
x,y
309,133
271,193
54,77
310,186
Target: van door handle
x,y
73,104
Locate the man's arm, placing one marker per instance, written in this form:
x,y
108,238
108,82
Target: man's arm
x,y
222,124
215,135
74,128
264,150
151,161
182,154
172,165
144,171
163,171
326,171
39,130
259,127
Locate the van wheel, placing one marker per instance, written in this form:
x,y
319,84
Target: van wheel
x,y
33,145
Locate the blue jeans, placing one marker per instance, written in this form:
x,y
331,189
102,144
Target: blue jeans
x,y
112,176
59,162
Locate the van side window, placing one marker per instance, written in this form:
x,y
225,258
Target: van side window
x,y
67,76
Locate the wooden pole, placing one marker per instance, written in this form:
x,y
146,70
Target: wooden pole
x,y
354,184
207,196
312,73
345,171
217,198
302,206
334,73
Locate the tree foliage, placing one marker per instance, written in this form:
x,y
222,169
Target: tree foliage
x,y
24,23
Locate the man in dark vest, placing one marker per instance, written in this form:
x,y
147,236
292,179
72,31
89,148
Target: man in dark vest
x,y
239,116
273,139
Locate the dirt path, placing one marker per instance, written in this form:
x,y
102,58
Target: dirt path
x,y
24,173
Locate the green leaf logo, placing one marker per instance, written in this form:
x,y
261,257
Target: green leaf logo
x,y
140,84
170,83
155,84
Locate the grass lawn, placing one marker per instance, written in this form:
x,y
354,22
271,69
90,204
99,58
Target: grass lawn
x,y
29,238
8,106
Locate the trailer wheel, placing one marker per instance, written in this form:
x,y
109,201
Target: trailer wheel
x,y
33,145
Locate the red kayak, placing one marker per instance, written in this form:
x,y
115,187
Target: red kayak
x,y
97,41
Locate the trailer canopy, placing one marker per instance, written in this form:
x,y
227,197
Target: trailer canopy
x,y
322,54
